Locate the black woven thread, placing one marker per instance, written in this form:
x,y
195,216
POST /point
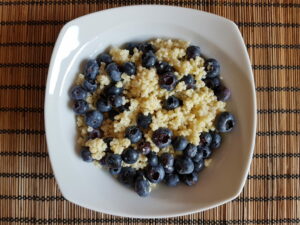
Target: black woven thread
x,y
22,87
155,221
61,198
22,110
45,154
276,133
41,132
42,88
267,24
51,44
276,155
32,198
275,67
50,175
195,3
25,65
267,199
273,46
62,22
271,89
27,44
21,131
269,111
27,175
254,67
25,154
41,110
273,176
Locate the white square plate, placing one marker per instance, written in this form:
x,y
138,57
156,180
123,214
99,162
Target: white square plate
x,y
87,36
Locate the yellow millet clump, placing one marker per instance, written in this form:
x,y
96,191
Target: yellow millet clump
x,y
144,95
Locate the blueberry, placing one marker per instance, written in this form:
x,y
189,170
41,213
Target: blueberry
x,y
80,107
89,85
112,114
86,155
225,122
148,59
172,179
190,179
115,100
190,151
104,57
91,70
130,155
131,46
168,81
142,187
146,47
134,134
152,159
199,155
212,68
93,118
193,51
179,143
155,174
189,81
212,83
198,166
163,67
113,161
171,103
144,147
143,121
205,139
184,165
113,71
95,133
216,140
78,93
129,68
127,176
223,93
206,152
115,171
103,105
167,161
113,90
162,137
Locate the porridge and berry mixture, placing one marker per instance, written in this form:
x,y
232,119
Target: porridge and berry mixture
x,y
151,112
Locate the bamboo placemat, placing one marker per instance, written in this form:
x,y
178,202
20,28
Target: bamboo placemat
x,y
28,191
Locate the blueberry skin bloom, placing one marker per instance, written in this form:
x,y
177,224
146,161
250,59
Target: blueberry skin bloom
x,y
193,51
168,81
91,70
184,165
142,187
93,118
179,143
162,137
212,68
130,155
225,122
155,174
113,71
78,93
134,134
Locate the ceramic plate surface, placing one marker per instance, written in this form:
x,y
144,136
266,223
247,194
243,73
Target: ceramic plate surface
x,y
83,38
